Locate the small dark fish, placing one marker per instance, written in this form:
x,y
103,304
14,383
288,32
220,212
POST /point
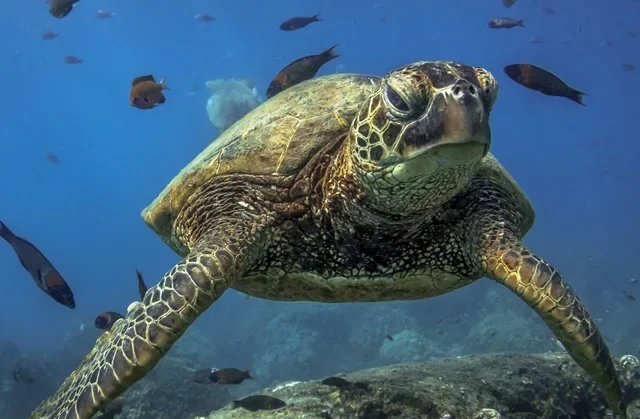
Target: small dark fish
x,y
258,402
70,59
336,382
52,157
146,93
629,296
536,40
142,288
49,35
633,280
112,408
547,11
627,67
492,333
221,376
536,78
298,22
61,8
508,3
106,320
389,337
300,70
103,14
201,17
46,277
505,23
229,376
22,375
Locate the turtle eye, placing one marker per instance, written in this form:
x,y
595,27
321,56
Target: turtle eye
x,y
395,100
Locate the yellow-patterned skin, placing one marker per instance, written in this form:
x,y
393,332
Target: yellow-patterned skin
x,y
343,188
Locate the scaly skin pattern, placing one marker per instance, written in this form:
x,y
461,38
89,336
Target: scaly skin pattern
x,y
423,215
507,260
135,344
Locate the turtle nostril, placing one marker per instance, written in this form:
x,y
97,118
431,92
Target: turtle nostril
x,y
463,90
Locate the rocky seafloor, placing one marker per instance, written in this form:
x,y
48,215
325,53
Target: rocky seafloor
x,y
510,386
280,342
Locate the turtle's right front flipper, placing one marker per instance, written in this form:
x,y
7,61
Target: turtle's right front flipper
x,y
135,344
505,259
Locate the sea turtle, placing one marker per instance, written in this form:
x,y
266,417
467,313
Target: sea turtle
x,y
342,188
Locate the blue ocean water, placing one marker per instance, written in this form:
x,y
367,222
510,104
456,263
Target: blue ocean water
x,y
577,164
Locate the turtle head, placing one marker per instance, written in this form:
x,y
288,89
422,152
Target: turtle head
x,y
420,137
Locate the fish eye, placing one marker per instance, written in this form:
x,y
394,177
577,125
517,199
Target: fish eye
x,y
394,99
146,99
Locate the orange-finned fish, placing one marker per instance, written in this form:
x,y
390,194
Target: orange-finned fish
x,y
298,22
142,288
539,79
42,271
61,8
300,70
106,320
145,93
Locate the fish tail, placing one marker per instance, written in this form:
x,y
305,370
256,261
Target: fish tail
x,y
330,54
235,404
163,84
316,18
577,96
521,23
247,375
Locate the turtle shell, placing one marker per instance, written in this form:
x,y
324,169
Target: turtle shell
x,y
276,138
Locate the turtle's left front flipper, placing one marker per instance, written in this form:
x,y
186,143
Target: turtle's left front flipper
x,y
505,259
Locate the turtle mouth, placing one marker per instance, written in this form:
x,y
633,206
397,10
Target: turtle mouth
x,y
433,159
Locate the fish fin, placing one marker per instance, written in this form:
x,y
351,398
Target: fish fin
x,y
521,23
140,79
142,287
162,99
577,96
330,54
316,18
163,84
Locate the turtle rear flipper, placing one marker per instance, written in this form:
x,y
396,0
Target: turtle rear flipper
x,y
134,345
506,260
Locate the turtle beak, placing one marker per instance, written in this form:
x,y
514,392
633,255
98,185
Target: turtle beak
x,y
465,119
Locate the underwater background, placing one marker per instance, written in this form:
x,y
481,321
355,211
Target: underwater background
x,y
578,165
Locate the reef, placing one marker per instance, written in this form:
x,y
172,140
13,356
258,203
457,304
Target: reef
x,y
509,386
